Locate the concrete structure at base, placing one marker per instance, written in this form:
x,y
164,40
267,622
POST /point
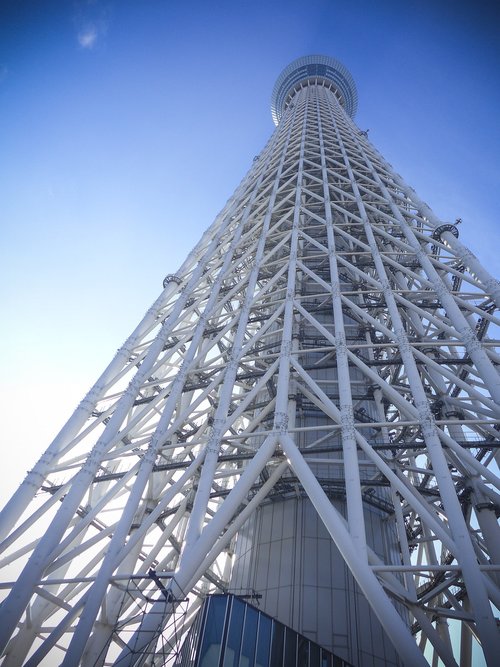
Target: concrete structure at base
x,y
286,555
307,416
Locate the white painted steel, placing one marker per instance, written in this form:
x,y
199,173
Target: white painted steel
x,y
329,346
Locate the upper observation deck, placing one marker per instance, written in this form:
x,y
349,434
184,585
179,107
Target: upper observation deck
x,y
314,69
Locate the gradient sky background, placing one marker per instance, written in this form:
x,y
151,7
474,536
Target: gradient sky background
x,y
126,125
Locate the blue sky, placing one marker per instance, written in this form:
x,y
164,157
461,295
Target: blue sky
x,y
126,125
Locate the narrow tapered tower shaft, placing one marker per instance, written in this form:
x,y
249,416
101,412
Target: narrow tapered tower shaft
x,y
307,416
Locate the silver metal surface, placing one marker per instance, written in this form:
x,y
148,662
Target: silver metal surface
x,y
309,412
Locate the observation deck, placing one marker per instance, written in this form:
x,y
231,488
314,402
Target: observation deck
x,y
319,69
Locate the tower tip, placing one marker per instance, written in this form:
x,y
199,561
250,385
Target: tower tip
x,y
324,68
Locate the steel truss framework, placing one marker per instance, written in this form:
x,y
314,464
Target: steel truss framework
x,y
322,253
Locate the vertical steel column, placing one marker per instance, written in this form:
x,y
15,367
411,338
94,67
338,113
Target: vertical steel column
x,y
34,479
355,512
464,551
468,258
316,292
212,448
389,618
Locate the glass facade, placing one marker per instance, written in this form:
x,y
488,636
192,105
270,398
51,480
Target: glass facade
x,y
229,632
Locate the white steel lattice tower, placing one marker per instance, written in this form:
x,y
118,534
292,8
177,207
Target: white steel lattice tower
x,y
309,412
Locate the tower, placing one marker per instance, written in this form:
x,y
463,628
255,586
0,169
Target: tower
x,y
307,415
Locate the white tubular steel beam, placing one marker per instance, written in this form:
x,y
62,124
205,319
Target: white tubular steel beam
x,y
351,466
35,478
405,490
464,331
219,421
468,258
18,599
109,564
464,549
390,620
327,313
206,541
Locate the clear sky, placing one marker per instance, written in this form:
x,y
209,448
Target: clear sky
x,y
125,125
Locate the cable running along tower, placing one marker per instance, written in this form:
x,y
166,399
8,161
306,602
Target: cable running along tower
x,y
306,417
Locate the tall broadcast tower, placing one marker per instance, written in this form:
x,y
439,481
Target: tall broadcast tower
x,y
291,462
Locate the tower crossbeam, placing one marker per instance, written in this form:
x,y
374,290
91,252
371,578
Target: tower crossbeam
x,y
309,415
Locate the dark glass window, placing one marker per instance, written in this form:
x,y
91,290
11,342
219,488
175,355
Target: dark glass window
x,y
263,642
277,644
303,652
326,658
314,656
249,638
290,648
233,643
212,635
232,633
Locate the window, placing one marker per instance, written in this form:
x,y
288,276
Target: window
x,y
277,644
212,635
263,641
303,652
248,642
290,648
233,642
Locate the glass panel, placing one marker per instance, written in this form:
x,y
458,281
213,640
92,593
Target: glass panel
x,y
290,648
314,655
303,652
233,642
212,634
277,644
249,638
326,658
263,642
